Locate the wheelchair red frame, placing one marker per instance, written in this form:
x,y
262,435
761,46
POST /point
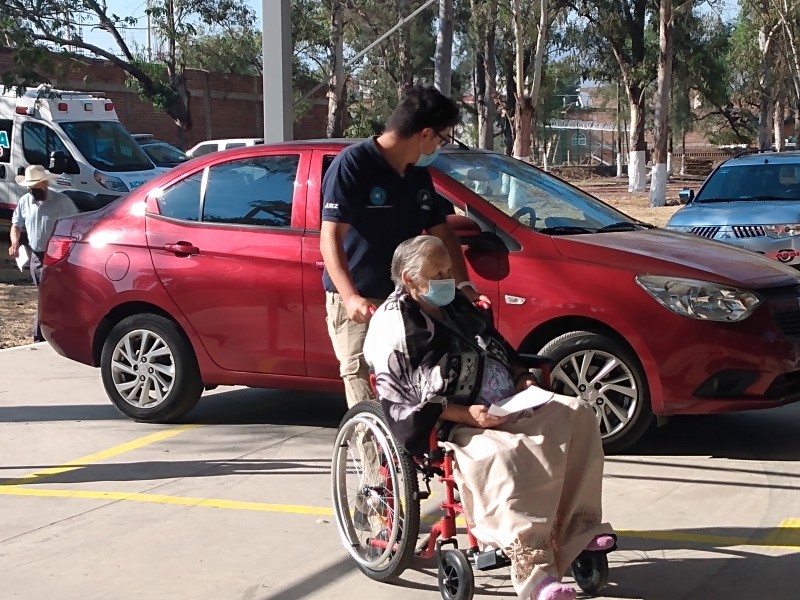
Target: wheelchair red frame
x,y
455,568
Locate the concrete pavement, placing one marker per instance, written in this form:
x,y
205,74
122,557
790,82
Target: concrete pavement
x,y
235,503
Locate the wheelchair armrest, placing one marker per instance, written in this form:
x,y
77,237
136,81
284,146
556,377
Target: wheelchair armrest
x,y
535,361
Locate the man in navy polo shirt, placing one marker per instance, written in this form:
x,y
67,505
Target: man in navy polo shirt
x,y
377,194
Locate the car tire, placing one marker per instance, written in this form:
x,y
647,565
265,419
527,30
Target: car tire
x,y
149,369
623,411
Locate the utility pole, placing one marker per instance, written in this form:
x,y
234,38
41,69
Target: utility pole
x,y
149,39
276,29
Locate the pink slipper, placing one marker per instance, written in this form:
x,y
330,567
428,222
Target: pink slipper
x,y
600,543
552,589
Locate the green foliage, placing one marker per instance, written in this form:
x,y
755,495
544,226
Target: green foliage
x,y
158,90
235,51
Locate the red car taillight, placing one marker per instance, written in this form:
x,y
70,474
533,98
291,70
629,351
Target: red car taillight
x,y
57,249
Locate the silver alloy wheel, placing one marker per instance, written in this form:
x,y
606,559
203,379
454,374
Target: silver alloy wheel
x,y
605,382
143,369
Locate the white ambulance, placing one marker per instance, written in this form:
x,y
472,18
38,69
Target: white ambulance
x,y
75,135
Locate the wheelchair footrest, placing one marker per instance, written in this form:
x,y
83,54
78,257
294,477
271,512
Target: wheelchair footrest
x,y
491,559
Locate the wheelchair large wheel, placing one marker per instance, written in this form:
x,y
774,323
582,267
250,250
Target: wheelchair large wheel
x,y
590,571
375,494
456,579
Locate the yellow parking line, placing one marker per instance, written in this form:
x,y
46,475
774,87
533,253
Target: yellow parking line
x,y
785,537
162,499
788,534
146,440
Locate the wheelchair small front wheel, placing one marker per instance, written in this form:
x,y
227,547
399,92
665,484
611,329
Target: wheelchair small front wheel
x,y
456,580
590,571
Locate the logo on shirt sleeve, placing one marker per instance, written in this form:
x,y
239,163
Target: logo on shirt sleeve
x,y
377,196
424,199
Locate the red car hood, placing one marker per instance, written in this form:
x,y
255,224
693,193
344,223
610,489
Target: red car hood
x,y
662,252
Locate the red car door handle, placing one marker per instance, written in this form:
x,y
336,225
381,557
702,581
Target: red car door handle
x,y
320,264
182,248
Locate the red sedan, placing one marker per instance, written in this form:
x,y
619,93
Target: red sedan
x,y
211,275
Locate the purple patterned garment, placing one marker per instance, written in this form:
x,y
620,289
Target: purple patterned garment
x,y
497,383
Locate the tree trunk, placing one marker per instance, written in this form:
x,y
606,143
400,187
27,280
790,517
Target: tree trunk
x,y
442,75
636,143
778,125
765,82
523,116
509,110
336,84
479,90
405,55
658,176
523,112
487,133
179,108
541,43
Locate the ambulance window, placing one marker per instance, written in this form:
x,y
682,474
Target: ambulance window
x,y
6,125
38,142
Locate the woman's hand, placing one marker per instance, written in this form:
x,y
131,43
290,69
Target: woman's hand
x,y
524,382
481,417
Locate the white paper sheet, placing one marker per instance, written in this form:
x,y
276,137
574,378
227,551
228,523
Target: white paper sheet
x,y
533,397
23,258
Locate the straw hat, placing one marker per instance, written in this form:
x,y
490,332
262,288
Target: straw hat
x,y
35,176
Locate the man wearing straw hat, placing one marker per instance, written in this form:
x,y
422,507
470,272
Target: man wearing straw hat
x,y
36,213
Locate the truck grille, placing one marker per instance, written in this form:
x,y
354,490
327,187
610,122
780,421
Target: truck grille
x,y
706,232
748,231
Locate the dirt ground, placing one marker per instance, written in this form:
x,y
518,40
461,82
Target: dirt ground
x,y
18,295
17,299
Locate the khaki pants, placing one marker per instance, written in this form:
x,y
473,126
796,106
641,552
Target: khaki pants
x,y
348,343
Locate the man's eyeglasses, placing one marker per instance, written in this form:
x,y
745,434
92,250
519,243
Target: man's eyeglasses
x,y
444,140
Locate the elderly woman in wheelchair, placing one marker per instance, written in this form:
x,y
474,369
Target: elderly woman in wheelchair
x,y
530,483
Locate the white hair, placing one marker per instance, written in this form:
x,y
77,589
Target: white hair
x,y
411,255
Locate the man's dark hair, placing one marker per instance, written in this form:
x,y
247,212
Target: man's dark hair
x,y
422,107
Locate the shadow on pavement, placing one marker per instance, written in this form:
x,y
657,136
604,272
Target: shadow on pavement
x,y
673,570
763,435
168,469
641,569
253,406
249,406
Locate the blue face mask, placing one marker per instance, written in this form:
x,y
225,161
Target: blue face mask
x,y
426,160
440,292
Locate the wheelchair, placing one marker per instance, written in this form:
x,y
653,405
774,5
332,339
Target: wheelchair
x,y
377,500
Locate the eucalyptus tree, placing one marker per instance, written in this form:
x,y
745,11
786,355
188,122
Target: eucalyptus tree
x,y
610,38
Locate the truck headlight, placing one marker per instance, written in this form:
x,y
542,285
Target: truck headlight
x,y
115,184
700,299
782,231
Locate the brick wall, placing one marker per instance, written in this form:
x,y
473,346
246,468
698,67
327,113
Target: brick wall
x,y
222,105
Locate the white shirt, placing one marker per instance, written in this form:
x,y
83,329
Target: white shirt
x,y
39,218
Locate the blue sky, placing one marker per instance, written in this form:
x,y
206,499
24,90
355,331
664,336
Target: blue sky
x,y
138,34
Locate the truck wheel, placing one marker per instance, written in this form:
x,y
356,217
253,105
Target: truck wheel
x,y
610,378
149,369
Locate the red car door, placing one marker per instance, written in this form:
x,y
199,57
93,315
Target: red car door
x,y
227,248
320,359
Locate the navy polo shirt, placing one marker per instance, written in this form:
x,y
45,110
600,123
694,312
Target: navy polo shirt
x,y
383,209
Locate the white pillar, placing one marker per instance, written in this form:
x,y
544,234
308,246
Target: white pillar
x,y
276,28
